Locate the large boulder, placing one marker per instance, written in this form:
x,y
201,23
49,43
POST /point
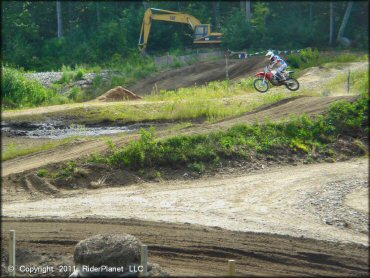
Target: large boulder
x,y
110,256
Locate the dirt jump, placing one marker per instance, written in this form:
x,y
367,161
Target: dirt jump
x,y
278,219
199,74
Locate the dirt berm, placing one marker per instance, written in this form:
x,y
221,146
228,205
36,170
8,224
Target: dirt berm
x,y
199,74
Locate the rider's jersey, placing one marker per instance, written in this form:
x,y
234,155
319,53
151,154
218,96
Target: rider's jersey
x,y
275,60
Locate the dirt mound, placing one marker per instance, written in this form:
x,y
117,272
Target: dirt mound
x,y
118,94
199,74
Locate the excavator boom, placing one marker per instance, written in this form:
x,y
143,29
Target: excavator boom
x,y
202,32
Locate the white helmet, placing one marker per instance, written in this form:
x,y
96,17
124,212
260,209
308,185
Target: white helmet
x,y
270,54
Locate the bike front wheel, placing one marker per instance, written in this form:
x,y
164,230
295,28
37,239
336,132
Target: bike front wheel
x,y
292,84
261,85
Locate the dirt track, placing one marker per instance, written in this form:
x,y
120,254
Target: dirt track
x,y
199,74
265,201
190,250
312,78
276,112
322,209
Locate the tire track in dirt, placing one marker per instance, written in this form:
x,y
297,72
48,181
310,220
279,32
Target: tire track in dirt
x,y
192,250
199,74
275,112
273,200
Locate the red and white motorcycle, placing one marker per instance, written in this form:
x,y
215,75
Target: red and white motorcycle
x,y
268,78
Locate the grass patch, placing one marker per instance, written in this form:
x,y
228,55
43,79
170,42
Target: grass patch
x,y
70,75
17,91
359,81
212,90
42,173
130,69
313,58
15,150
20,92
302,135
176,108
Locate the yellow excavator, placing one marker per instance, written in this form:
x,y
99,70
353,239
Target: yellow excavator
x,y
202,32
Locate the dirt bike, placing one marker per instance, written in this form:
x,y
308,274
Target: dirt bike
x,y
267,77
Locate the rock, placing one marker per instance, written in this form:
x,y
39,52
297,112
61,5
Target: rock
x,y
108,250
119,252
328,221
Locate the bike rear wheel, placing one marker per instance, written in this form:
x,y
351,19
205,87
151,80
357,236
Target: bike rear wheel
x,y
261,85
292,84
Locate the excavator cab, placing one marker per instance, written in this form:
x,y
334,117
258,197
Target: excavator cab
x,y
203,35
201,31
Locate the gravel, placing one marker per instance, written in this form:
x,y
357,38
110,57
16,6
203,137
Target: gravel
x,y
328,204
45,78
48,78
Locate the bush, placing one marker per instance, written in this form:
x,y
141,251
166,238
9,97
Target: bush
x,y
18,91
197,167
76,94
79,75
42,173
307,58
301,135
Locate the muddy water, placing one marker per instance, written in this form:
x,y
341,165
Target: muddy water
x,y
60,131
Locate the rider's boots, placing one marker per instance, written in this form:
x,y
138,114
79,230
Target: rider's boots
x,y
281,76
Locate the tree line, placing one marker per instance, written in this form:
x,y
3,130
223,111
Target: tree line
x,y
43,35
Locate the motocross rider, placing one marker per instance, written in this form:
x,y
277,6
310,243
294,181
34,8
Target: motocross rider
x,y
274,60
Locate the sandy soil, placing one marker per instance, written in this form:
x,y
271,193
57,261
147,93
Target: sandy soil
x,y
189,250
276,200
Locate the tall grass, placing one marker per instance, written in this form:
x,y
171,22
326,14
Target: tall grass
x,y
70,74
130,69
214,89
359,81
20,92
17,91
170,110
15,150
302,134
312,58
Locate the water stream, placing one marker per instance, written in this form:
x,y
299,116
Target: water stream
x,y
60,131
